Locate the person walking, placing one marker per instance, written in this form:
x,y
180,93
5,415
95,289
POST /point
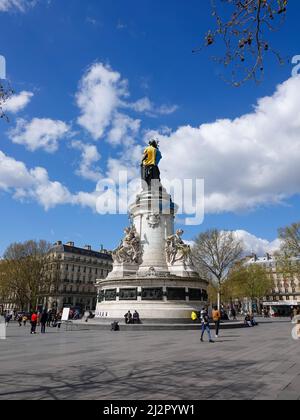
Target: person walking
x,y
205,325
216,316
44,319
7,319
33,321
24,320
233,314
20,318
49,318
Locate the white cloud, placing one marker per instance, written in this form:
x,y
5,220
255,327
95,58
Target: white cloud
x,y
16,5
89,157
250,161
49,194
24,183
258,246
17,103
166,109
39,134
100,93
86,199
252,244
121,25
13,174
124,130
144,105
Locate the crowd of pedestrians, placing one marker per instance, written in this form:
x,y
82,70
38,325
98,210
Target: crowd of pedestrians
x,y
216,316
36,320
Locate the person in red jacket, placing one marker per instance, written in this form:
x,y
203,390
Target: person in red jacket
x,y
33,320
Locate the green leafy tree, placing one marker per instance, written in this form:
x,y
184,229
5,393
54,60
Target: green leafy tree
x,y
253,282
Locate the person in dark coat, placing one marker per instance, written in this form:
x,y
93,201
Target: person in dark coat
x,y
44,319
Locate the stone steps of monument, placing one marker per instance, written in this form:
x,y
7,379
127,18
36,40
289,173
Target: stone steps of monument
x,y
104,326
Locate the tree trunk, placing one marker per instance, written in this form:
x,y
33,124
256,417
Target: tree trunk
x,y
219,299
250,306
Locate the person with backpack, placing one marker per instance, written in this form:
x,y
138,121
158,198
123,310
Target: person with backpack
x,y
205,325
216,316
115,326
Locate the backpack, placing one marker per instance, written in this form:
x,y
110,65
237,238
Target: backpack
x,y
115,326
194,316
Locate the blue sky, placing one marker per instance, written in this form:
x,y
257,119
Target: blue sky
x,y
52,46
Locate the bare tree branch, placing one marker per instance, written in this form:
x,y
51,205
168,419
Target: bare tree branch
x,y
243,26
5,93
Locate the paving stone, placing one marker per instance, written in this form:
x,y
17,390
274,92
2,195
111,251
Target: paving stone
x,y
256,363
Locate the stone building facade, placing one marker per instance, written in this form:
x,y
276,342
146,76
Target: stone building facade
x,y
286,285
73,272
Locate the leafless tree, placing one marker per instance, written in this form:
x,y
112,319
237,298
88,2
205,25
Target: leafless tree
x,y
290,237
5,93
215,252
244,27
23,273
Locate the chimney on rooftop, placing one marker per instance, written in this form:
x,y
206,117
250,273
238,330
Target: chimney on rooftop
x,y
72,244
88,247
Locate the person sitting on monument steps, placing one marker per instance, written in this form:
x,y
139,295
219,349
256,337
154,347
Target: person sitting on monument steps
x,y
136,318
128,318
152,157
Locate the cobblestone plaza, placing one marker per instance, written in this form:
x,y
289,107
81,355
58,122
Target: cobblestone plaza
x,y
254,363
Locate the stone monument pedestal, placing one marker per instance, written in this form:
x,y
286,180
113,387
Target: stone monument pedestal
x,y
153,272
